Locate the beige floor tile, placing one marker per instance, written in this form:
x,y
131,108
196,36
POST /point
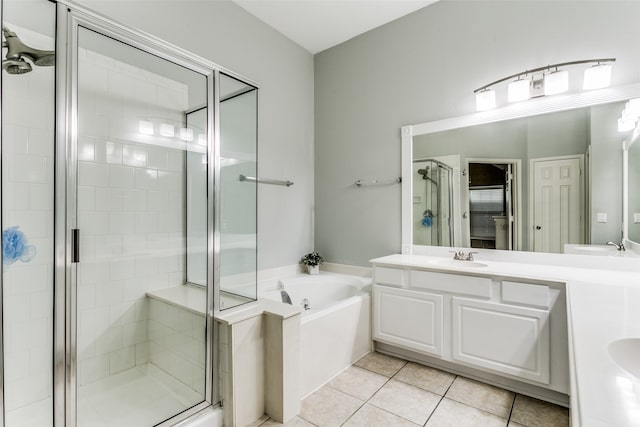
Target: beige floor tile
x,y
328,407
358,382
406,401
371,416
294,422
536,413
430,379
512,424
381,364
494,400
450,413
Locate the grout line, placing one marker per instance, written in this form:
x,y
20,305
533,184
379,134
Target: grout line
x,y
513,404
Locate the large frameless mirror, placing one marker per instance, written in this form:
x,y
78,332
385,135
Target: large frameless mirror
x,y
536,182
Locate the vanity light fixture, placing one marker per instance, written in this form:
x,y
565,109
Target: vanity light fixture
x,y
545,81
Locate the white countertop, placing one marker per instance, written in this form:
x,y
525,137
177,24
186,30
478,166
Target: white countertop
x,y
603,305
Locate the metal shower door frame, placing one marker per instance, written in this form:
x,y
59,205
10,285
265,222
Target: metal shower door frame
x,y
70,18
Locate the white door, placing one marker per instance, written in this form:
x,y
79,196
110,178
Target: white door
x,y
409,319
557,216
502,338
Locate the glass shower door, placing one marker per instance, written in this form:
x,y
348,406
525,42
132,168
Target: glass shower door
x,y
141,351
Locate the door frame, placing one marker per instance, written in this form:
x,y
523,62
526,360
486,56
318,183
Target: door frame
x,y
581,202
516,166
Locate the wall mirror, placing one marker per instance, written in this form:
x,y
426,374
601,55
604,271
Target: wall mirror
x,y
529,177
631,152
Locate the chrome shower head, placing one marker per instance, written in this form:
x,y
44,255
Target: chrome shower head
x,y
16,66
17,51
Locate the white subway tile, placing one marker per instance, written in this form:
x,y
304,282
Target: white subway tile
x,y
30,389
122,314
158,158
87,149
142,353
133,155
86,198
109,341
109,199
40,197
113,152
27,168
135,200
15,139
134,244
93,271
16,195
16,364
86,296
24,334
121,222
146,266
109,293
176,160
41,304
122,359
157,200
120,84
145,92
109,245
93,77
146,222
93,321
135,333
93,174
122,268
41,142
33,224
17,309
121,176
28,278
94,369
170,181
146,179
93,223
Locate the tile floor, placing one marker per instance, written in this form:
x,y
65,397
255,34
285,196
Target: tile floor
x,y
380,390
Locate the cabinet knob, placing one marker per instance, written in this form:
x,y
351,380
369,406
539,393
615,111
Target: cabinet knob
x,y
538,227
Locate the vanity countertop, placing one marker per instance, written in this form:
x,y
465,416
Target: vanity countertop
x,y
602,307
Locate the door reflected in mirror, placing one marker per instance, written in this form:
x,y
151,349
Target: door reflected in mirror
x,y
633,195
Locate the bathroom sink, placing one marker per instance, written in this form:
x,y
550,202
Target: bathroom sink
x,y
454,263
626,353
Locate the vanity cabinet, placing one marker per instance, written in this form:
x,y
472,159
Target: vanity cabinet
x,y
410,319
506,326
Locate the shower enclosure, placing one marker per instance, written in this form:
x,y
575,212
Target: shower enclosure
x,y
125,225
432,203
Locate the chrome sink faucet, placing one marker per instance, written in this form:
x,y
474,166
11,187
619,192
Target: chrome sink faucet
x,y
460,256
619,246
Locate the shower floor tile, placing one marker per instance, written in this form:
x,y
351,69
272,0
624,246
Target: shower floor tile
x,y
140,396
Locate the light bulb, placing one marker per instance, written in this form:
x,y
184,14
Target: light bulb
x,y
518,90
167,130
597,77
485,100
186,134
145,127
556,82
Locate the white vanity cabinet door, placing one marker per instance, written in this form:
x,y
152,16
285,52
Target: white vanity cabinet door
x,y
408,319
503,338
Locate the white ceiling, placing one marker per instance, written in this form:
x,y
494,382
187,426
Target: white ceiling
x,y
317,25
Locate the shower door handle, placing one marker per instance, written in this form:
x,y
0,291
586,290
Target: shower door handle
x,y
75,245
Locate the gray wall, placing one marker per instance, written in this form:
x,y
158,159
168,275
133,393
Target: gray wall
x,y
424,67
606,187
227,35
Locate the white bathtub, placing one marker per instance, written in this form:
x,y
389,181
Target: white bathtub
x,y
335,331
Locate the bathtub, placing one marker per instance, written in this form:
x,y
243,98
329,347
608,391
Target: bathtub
x,y
335,329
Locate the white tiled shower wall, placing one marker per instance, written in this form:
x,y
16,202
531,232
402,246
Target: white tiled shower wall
x,y
130,202
27,201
